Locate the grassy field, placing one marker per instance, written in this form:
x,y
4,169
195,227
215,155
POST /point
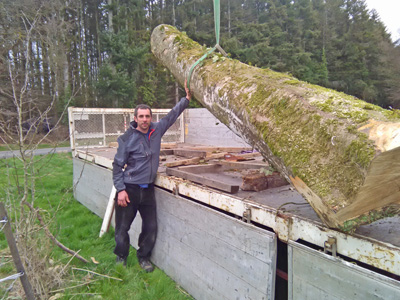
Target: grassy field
x,y
41,146
78,229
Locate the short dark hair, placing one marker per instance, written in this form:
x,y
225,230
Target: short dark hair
x,y
142,106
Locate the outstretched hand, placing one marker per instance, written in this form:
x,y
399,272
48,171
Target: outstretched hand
x,y
188,94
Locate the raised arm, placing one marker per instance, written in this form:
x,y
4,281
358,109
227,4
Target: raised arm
x,y
175,112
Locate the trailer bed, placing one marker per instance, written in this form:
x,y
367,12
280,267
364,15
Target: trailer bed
x,y
226,245
280,203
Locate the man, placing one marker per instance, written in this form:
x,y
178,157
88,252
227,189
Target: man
x,y
138,151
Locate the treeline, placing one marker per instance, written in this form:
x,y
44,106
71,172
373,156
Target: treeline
x,y
97,52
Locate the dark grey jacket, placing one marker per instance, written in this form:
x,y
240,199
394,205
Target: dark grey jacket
x,y
141,154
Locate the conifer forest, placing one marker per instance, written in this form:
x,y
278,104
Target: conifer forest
x,y
96,53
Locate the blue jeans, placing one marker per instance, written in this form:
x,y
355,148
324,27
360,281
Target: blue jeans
x,y
142,200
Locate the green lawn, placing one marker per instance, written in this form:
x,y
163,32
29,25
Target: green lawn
x,y
78,229
41,146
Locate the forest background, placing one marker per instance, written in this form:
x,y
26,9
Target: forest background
x,y
96,53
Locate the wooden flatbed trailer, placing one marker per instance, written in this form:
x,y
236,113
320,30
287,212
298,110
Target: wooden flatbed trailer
x,y
216,244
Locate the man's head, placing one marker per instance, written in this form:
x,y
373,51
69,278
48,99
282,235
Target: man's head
x,y
142,117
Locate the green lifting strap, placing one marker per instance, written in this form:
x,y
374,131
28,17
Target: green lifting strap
x,y
216,20
217,46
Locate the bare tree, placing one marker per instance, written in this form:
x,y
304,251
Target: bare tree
x,y
27,117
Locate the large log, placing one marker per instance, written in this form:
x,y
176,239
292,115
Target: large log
x,y
341,153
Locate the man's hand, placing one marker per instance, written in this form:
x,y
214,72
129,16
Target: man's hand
x,y
123,199
188,94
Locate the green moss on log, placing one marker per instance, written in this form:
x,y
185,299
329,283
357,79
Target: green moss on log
x,y
298,121
294,146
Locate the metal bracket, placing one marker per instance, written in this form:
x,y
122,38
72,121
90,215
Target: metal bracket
x,y
4,220
247,215
175,190
330,245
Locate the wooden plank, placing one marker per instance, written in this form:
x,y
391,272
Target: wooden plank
x,y
249,155
223,166
202,168
109,212
203,180
190,153
215,155
222,149
241,157
167,152
209,157
190,161
195,160
103,161
168,145
85,155
244,165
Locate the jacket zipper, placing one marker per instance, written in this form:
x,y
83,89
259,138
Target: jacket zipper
x,y
147,155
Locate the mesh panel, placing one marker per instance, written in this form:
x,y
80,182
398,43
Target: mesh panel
x,y
91,127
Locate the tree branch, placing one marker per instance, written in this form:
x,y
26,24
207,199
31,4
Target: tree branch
x,y
51,236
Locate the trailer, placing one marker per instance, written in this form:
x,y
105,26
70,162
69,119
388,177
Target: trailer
x,y
219,241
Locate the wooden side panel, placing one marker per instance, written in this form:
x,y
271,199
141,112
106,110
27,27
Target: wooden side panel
x,y
92,185
314,275
211,255
203,128
229,188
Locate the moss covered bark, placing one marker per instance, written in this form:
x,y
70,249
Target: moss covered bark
x,y
304,130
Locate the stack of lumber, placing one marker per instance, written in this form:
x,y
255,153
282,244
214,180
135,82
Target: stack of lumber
x,y
195,155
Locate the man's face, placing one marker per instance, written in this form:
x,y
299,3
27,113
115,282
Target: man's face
x,y
143,120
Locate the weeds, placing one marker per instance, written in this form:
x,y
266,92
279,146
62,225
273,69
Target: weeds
x,y
351,226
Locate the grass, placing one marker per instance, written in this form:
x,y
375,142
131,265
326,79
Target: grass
x,y
351,226
78,229
41,146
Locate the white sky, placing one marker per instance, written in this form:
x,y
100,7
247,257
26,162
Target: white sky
x,y
389,12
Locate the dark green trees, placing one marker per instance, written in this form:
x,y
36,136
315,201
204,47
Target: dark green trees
x,y
98,50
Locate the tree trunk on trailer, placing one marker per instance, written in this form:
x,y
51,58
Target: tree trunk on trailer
x,y
342,154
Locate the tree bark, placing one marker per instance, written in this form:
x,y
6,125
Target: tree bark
x,y
341,153
110,16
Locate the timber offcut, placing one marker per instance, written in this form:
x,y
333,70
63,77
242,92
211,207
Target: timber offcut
x,y
341,153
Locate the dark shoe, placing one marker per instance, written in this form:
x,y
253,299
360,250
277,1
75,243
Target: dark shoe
x,y
121,260
146,265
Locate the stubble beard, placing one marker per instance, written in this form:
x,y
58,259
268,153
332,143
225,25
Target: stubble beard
x,y
144,127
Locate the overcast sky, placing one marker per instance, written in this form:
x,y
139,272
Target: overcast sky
x,y
389,11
